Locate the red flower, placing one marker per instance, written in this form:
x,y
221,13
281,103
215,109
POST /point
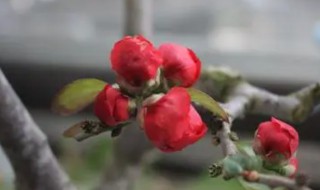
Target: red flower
x,y
171,122
181,65
276,141
111,107
135,59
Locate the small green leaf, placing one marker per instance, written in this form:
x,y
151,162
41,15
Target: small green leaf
x,y
251,160
245,147
207,102
77,95
86,129
231,167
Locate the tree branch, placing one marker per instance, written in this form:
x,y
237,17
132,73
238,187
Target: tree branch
x,y
242,98
26,146
277,181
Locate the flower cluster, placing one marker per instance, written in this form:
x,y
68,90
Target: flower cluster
x,y
277,142
153,81
153,87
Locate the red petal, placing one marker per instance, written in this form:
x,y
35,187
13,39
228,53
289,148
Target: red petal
x,y
181,65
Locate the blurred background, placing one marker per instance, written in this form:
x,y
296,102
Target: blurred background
x,y
45,44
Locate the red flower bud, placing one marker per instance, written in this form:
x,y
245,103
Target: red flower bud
x,y
111,107
171,122
181,65
276,141
135,59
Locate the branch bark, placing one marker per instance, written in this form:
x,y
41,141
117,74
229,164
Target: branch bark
x,y
138,17
242,98
26,146
273,181
278,181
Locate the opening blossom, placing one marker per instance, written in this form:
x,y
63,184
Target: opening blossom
x,y
171,122
152,87
181,65
276,141
135,60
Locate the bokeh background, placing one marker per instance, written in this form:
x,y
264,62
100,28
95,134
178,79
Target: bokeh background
x,y
45,44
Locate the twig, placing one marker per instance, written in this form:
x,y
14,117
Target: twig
x,y
274,181
235,107
26,146
278,181
242,98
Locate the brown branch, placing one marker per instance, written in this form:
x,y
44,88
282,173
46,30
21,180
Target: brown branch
x,y
242,98
274,181
26,146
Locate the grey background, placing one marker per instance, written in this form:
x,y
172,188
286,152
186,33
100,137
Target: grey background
x,y
45,44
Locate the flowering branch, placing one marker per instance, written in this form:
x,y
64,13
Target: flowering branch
x,y
153,86
243,98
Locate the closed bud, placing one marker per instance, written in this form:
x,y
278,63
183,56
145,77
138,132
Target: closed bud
x,y
112,107
181,65
276,141
170,121
135,60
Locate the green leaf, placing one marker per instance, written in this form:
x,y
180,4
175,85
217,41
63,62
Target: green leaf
x,y
231,167
245,147
251,161
77,95
86,129
208,103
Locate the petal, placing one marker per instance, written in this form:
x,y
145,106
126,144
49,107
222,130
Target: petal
x,y
167,120
135,59
181,65
197,129
121,112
